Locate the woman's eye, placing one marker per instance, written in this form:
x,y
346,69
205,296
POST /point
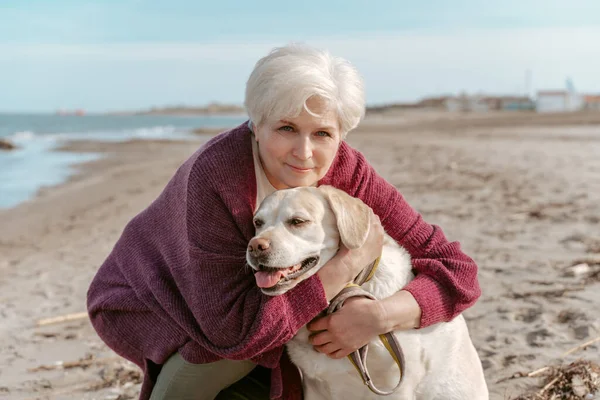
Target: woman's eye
x,y
258,223
323,134
286,128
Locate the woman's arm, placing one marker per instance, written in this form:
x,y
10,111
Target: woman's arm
x,y
445,283
446,278
234,318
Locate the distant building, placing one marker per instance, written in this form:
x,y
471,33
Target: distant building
x,y
558,101
462,103
567,100
517,104
474,103
453,104
510,103
433,102
591,102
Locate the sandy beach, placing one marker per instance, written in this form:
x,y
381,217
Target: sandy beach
x,y
520,192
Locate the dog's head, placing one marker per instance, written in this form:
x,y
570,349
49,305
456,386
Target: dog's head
x,y
298,230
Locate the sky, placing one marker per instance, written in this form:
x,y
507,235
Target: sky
x,y
135,54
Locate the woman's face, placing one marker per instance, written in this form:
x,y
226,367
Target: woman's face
x,y
299,151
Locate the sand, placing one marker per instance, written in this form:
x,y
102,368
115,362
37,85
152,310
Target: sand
x,y
521,194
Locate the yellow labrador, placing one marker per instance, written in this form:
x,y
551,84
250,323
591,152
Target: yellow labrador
x,y
298,231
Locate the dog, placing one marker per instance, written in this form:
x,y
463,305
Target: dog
x,y
297,231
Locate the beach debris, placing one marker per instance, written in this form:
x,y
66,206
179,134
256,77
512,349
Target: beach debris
x,y
581,346
587,268
578,380
121,374
84,362
62,318
524,374
123,377
7,145
577,270
559,292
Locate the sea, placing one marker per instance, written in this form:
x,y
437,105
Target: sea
x,y
34,164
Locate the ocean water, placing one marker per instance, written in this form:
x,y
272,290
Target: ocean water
x,y
34,164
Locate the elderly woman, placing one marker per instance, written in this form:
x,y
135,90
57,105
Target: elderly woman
x,y
175,296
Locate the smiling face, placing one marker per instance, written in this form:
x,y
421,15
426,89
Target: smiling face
x,y
299,151
296,234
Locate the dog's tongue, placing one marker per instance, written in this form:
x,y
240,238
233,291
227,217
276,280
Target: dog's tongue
x,y
266,279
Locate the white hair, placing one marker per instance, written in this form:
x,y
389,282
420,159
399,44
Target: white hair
x,y
282,82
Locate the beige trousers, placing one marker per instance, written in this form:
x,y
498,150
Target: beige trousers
x,y
181,380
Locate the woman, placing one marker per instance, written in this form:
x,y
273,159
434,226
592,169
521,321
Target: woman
x,y
174,296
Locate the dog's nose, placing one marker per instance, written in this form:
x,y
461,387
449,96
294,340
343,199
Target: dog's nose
x,y
258,245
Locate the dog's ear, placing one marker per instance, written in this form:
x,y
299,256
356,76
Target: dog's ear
x,y
352,215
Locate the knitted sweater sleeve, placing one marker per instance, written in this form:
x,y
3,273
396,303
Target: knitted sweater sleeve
x,y
446,279
235,319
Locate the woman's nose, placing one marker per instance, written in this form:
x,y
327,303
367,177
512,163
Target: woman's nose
x,y
302,148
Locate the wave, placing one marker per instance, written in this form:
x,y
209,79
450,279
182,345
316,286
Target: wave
x,y
153,132
32,165
20,137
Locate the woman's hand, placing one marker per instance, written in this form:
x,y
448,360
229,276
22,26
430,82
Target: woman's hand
x,y
359,321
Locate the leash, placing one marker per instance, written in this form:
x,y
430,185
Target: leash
x,y
359,357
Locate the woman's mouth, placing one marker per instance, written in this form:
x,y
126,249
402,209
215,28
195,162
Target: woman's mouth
x,y
298,169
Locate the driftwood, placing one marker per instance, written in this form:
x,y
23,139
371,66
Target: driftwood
x,y
62,318
581,346
547,293
524,374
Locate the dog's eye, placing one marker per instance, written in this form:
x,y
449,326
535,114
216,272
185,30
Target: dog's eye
x,y
296,221
258,223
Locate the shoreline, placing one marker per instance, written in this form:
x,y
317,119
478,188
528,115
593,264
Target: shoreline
x,y
79,151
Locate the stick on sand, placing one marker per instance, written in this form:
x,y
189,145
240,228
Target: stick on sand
x,y
581,346
525,374
62,318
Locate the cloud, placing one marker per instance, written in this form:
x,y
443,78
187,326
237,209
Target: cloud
x,y
396,66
